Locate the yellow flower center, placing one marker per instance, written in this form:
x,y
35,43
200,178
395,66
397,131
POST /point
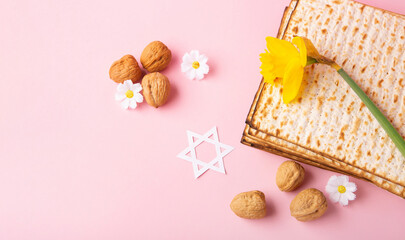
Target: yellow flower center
x,y
129,94
196,65
341,189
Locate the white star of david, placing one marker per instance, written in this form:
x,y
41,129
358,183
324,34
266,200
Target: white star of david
x,y
193,157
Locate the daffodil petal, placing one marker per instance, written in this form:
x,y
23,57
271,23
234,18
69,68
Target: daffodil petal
x,y
292,79
268,76
271,67
299,42
282,50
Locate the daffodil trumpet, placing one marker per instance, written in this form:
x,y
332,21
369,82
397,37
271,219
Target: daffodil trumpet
x,y
280,61
285,60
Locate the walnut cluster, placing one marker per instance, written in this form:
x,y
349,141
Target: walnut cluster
x,y
307,205
154,58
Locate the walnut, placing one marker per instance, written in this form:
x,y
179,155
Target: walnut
x,y
156,88
250,205
156,56
124,69
289,176
308,205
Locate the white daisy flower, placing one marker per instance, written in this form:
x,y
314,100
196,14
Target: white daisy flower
x,y
128,93
195,65
341,190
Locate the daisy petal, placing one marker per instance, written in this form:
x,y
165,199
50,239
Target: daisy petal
x,y
132,103
204,68
199,75
186,66
330,189
339,180
344,180
125,103
138,97
351,187
136,87
119,96
128,84
333,181
343,200
191,74
194,54
202,59
334,197
350,196
187,58
122,88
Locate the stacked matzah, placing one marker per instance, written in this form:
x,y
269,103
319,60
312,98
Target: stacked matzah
x,y
328,126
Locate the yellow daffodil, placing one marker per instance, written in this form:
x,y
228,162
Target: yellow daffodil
x,y
286,60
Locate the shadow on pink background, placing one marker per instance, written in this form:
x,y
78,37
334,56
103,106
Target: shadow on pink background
x,y
74,165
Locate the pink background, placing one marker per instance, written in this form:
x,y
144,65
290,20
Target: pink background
x,y
74,165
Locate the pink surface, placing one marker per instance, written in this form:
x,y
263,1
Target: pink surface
x,y
74,165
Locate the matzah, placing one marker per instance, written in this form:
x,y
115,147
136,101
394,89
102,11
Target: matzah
x,y
329,126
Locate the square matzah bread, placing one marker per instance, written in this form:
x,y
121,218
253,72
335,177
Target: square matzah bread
x,y
271,109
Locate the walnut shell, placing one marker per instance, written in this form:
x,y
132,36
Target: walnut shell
x,y
289,176
156,88
124,69
156,56
308,205
250,205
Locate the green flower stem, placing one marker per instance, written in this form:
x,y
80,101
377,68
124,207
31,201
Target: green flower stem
x,y
310,61
385,124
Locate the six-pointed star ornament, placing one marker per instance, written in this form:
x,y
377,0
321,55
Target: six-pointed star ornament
x,y
190,155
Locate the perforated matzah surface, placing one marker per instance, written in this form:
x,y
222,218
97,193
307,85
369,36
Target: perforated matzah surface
x,y
329,121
